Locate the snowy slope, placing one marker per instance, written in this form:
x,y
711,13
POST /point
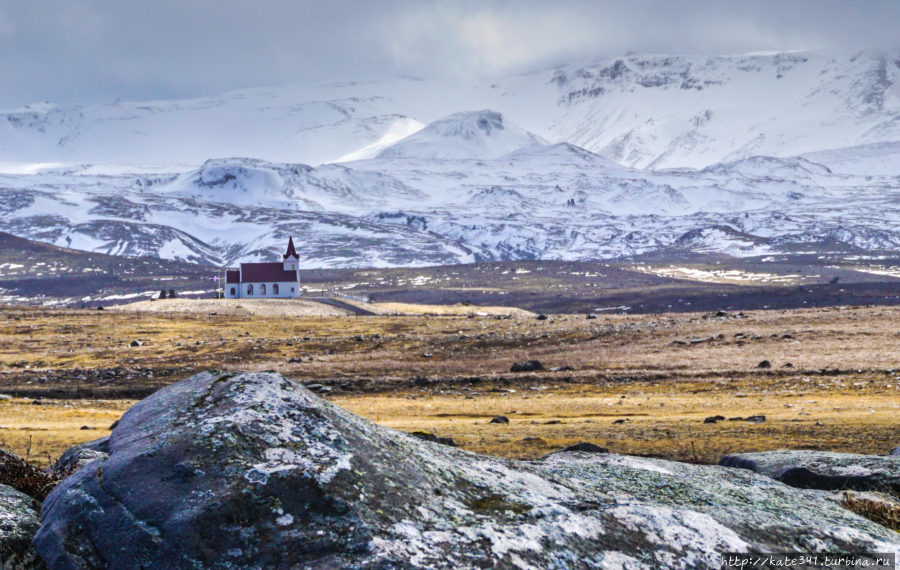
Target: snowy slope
x,y
642,110
477,134
553,201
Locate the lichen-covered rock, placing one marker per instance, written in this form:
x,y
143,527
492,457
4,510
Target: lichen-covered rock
x,y
251,470
80,455
823,470
18,523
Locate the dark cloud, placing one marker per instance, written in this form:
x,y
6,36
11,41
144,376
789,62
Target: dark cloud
x,y
100,50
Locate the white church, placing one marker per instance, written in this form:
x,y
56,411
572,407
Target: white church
x,y
273,280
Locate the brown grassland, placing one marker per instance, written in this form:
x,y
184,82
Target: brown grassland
x,y
639,384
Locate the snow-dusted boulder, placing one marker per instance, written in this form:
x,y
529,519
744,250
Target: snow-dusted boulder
x,y
252,470
823,470
18,523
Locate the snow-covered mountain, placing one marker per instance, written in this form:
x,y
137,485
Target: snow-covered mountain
x,y
744,155
642,110
406,207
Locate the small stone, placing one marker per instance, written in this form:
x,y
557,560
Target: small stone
x,y
583,447
713,419
421,381
427,436
542,317
136,342
499,420
563,368
621,421
764,364
527,366
591,316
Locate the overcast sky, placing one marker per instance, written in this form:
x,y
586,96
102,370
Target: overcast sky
x,y
101,50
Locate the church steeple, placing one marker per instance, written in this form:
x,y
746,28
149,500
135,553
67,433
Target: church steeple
x,y
291,252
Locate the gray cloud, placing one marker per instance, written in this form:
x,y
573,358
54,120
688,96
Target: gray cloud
x,y
100,50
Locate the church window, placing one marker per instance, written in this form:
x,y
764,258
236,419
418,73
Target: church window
x,y
262,289
275,289
249,289
232,291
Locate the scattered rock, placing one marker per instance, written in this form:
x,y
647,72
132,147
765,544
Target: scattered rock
x,y
721,314
431,437
100,308
582,447
5,397
677,343
318,388
591,316
764,364
294,360
311,485
895,451
713,419
621,421
77,457
542,317
499,420
787,365
136,342
527,366
563,368
535,440
823,470
421,381
752,419
552,422
19,521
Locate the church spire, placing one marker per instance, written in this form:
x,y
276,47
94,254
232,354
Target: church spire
x,y
291,252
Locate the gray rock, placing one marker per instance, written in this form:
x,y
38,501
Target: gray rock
x,y
78,456
499,420
526,366
583,447
18,522
252,470
823,470
896,451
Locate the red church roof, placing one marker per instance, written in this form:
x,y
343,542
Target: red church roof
x,y
266,272
233,276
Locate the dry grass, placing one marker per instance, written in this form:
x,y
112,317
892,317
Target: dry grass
x,y
41,432
885,512
841,392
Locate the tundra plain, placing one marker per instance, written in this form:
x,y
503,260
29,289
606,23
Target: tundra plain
x,y
637,384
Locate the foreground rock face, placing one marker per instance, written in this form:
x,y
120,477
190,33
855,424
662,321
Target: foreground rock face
x,y
823,470
18,523
251,470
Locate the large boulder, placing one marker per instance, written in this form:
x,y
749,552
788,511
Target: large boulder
x,y
252,470
823,470
18,523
